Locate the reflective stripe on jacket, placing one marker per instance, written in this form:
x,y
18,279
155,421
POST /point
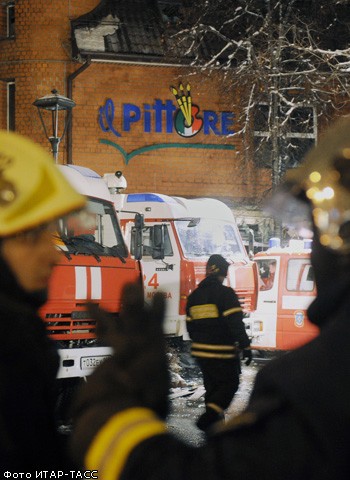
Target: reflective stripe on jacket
x,y
215,320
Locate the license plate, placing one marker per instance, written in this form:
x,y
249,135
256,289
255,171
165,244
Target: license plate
x,y
87,363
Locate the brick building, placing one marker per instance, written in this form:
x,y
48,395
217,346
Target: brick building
x,y
111,58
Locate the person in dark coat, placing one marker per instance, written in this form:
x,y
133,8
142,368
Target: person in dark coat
x,y
216,328
296,425
33,194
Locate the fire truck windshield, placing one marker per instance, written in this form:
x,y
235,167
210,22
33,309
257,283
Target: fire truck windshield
x,y
208,236
94,230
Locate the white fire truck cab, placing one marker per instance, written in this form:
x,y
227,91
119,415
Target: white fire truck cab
x,y
178,236
286,289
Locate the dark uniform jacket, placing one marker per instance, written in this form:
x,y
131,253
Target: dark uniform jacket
x,y
28,367
296,426
214,320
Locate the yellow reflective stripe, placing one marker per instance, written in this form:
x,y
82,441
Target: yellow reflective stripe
x,y
209,310
115,441
231,310
215,407
209,346
212,355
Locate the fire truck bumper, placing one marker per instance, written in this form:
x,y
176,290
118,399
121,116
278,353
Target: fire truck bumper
x,y
80,362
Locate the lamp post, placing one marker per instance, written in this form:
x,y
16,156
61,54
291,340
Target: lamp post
x,y
54,103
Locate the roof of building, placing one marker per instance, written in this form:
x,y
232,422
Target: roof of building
x,y
145,30
142,30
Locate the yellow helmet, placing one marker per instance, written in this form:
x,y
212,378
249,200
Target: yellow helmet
x,y
324,178
32,189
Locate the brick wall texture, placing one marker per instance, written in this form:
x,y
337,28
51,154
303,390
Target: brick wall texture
x,y
39,59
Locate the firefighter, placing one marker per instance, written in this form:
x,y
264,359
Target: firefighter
x,y
33,194
296,425
215,326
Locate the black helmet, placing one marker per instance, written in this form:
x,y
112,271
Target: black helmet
x,y
217,265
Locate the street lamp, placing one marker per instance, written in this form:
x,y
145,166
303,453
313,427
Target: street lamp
x,y
54,103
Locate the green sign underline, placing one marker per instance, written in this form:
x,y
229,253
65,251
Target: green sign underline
x,y
128,156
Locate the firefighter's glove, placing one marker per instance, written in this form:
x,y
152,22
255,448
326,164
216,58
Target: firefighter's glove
x,y
247,356
137,372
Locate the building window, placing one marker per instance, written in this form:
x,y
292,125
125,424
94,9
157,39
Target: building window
x,y
11,91
10,19
298,134
7,20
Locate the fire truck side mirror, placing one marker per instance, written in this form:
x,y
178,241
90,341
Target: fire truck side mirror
x,y
158,241
139,221
138,245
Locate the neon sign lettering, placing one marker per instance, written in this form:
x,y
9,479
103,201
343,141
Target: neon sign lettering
x,y
165,117
185,118
132,114
106,118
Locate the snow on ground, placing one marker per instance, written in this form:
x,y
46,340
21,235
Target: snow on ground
x,y
187,400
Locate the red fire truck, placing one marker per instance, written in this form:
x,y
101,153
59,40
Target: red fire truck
x,y
286,289
178,236
95,265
